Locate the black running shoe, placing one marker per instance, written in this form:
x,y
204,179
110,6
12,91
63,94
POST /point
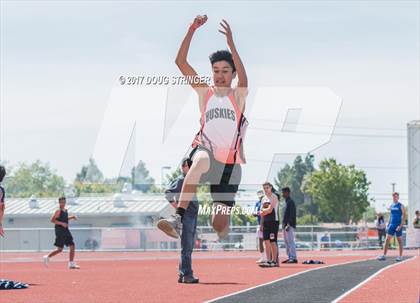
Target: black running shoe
x,y
189,280
265,264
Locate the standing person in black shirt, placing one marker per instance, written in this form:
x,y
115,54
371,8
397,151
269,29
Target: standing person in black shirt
x,y
289,226
62,234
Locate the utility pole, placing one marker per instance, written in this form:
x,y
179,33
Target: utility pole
x,y
393,187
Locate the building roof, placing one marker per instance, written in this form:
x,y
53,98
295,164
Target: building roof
x,y
134,204
144,205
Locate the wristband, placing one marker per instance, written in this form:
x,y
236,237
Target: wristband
x,y
193,26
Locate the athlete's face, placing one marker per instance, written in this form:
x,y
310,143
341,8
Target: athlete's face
x,y
62,203
395,198
267,189
185,168
223,74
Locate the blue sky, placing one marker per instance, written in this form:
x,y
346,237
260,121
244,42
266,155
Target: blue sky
x,y
60,62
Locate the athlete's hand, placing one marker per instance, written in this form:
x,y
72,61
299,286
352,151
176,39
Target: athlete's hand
x,y
1,231
226,31
65,225
398,228
198,21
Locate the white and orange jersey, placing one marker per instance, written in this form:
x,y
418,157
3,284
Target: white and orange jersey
x,y
223,128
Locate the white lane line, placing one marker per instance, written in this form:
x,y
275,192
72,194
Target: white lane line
x,y
370,278
284,278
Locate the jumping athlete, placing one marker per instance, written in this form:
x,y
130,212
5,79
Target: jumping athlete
x,y
62,234
217,152
395,227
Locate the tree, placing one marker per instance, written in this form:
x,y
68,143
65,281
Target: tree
x,y
106,187
310,208
140,177
293,176
90,180
341,192
173,175
90,173
370,214
34,179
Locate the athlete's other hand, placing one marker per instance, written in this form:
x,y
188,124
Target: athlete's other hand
x,y
65,225
398,228
199,21
1,231
226,31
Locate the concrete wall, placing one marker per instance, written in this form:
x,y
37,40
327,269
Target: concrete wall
x,y
36,233
413,135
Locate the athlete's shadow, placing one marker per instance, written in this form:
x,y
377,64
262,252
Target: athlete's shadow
x,y
221,283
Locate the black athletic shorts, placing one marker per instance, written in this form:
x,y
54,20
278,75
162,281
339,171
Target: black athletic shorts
x,y
270,230
224,179
63,237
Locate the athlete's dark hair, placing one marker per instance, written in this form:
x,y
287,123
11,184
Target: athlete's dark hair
x,y
395,194
222,55
62,199
2,173
286,190
186,161
268,184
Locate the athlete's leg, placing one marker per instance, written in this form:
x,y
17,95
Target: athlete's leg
x,y
400,245
261,244
200,165
55,252
225,184
72,250
221,217
273,245
387,241
267,249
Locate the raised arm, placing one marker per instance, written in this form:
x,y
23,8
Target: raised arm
x,y
181,59
242,89
240,69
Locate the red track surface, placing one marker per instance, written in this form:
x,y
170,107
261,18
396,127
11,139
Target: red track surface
x,y
145,277
400,283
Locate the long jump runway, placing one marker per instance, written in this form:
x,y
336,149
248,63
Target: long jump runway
x,y
319,285
151,277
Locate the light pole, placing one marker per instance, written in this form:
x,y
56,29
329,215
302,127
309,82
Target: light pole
x,y
393,187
